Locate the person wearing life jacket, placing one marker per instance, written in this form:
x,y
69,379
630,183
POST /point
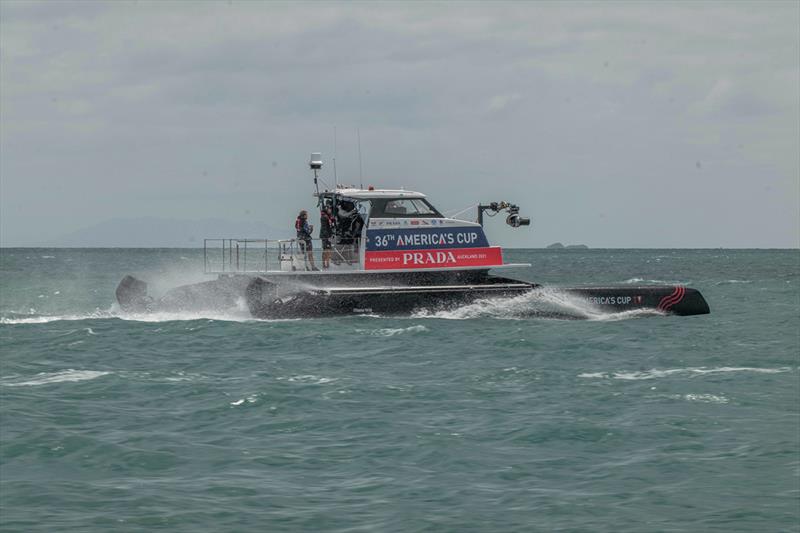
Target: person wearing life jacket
x,y
304,230
327,224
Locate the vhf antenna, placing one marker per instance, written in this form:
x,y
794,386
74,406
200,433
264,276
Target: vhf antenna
x,y
315,164
360,173
335,177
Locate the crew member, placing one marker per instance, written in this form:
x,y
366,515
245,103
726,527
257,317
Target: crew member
x,y
304,238
350,222
326,226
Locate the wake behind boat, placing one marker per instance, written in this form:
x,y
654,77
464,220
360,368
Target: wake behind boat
x,y
385,252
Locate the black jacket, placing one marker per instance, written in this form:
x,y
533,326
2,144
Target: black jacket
x,y
326,224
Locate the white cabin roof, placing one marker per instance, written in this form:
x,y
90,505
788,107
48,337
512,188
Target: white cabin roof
x,y
366,194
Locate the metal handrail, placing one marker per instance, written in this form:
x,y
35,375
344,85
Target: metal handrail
x,y
287,256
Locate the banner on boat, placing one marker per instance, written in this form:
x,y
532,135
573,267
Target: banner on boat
x,y
425,238
439,258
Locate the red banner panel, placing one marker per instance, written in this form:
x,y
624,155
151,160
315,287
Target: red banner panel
x,y
411,259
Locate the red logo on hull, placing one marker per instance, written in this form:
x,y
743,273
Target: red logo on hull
x,y
411,259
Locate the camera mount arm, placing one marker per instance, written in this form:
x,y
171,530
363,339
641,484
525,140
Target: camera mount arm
x,y
513,219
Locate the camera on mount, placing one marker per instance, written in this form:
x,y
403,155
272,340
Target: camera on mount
x,y
514,220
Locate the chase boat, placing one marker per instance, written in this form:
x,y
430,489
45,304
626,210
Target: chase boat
x,y
390,252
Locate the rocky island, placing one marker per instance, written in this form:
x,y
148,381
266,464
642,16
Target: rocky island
x,y
559,246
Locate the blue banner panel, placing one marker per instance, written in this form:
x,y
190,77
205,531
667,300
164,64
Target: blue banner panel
x,y
425,238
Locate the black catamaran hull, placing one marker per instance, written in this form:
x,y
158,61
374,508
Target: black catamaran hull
x,y
264,303
310,295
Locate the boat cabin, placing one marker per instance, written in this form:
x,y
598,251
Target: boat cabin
x,y
374,230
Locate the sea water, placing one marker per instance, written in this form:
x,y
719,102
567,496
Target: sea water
x,y
485,417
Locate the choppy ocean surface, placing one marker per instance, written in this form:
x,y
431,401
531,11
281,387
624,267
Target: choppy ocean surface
x,y
480,418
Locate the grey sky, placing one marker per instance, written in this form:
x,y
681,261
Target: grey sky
x,y
630,125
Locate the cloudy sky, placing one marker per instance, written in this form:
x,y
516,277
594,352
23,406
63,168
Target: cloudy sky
x,y
614,125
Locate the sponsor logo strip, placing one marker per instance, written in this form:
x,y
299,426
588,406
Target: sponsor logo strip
x,y
405,222
456,257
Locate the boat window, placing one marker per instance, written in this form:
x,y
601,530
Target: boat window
x,y
403,208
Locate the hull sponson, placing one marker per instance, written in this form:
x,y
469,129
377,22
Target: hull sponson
x,y
675,300
266,299
218,295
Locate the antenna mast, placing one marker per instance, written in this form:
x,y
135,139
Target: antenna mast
x,y
360,173
335,177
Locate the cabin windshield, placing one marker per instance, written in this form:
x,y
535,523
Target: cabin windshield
x,y
402,208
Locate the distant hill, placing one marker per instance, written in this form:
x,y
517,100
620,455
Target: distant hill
x,y
560,246
153,232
